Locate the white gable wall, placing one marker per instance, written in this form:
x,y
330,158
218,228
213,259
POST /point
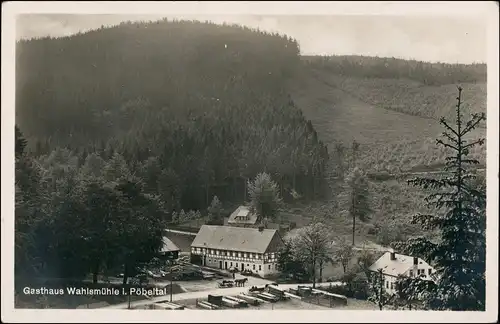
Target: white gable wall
x,y
421,270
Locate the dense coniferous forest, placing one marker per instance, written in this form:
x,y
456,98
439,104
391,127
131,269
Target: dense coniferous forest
x,y
204,104
393,68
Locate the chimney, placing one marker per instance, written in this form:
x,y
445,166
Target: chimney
x,y
261,227
393,255
415,261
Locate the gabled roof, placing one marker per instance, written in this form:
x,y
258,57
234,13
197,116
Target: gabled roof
x,y
242,215
231,238
168,246
400,265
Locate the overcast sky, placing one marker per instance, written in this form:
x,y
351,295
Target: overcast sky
x,y
446,39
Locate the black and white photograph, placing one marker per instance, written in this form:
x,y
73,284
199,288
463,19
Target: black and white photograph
x,y
296,159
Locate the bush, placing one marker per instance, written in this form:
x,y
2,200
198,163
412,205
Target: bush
x,y
356,285
389,232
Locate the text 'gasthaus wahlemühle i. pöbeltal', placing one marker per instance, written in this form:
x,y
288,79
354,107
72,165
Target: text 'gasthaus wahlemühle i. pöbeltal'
x,y
95,291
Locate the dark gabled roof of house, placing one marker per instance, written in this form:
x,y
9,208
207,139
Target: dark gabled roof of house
x,y
249,218
168,246
231,238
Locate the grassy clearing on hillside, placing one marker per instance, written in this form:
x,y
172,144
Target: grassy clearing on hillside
x,y
389,141
413,98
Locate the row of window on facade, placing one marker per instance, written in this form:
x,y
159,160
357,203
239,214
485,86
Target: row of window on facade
x,y
421,272
232,253
248,265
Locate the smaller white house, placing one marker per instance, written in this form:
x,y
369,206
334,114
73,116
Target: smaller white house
x,y
243,217
394,264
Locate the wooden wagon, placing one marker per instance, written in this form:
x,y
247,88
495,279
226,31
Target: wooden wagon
x,y
225,284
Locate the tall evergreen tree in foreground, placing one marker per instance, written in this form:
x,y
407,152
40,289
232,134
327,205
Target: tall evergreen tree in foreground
x,y
460,221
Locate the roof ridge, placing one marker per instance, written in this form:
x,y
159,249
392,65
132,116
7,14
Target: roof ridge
x,y
248,239
240,228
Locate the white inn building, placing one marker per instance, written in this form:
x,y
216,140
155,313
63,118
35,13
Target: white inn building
x,y
225,247
394,264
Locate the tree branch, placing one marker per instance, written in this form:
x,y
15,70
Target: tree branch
x,y
445,124
471,124
438,141
479,141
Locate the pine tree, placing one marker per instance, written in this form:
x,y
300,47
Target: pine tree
x,y
20,142
458,255
264,197
175,218
215,212
182,217
359,204
354,153
93,166
116,169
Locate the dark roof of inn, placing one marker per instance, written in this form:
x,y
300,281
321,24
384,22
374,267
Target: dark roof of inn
x,y
234,238
168,246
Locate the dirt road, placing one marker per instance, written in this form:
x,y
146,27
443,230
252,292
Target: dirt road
x,y
202,294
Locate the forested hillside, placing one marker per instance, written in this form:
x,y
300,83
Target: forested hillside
x,y
382,116
203,103
408,86
393,68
